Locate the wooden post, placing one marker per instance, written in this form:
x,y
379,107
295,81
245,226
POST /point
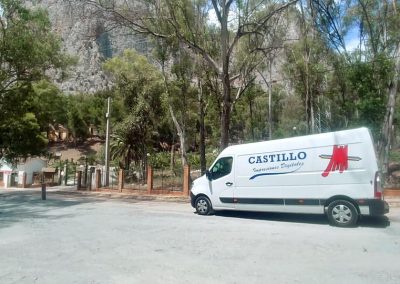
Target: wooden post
x,y
43,191
89,185
121,178
186,180
66,172
79,180
24,180
98,179
149,179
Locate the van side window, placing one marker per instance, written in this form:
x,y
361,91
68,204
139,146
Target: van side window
x,y
222,167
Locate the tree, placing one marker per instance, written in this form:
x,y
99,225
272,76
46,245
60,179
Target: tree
x,y
76,123
27,51
306,65
28,48
140,86
179,91
187,22
49,104
127,142
20,136
378,23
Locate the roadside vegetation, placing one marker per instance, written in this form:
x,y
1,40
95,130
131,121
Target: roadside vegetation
x,y
261,70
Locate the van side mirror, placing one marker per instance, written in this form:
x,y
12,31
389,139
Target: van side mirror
x,y
208,175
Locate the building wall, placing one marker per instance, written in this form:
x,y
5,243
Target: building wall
x,y
29,167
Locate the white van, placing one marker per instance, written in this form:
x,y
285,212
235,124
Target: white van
x,y
333,173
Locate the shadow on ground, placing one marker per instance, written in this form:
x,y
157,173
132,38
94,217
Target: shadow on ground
x,y
372,222
18,206
21,205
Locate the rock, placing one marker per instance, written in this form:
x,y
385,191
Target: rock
x,y
396,174
87,36
393,167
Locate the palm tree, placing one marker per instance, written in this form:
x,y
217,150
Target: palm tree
x,y
126,145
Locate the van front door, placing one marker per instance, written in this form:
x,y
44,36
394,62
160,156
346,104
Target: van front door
x,y
221,178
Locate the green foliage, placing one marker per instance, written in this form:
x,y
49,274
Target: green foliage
x,y
160,160
21,137
76,123
250,116
140,86
27,46
85,110
49,104
128,142
367,83
137,81
28,49
394,156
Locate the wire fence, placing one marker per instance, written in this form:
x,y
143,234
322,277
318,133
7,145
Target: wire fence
x,y
165,179
135,179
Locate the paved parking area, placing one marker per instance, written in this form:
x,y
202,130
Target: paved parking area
x,y
75,238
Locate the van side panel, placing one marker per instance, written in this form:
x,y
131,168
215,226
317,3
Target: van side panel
x,y
308,168
299,174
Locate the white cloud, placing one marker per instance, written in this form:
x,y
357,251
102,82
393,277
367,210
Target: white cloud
x,y
212,17
352,39
352,44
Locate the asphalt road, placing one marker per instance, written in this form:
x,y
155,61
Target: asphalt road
x,y
72,238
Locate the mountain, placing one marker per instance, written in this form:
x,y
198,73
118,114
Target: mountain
x,y
87,36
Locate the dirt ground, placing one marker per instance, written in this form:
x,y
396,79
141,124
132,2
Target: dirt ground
x,y
69,151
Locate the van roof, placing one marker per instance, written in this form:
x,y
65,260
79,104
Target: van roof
x,y
350,135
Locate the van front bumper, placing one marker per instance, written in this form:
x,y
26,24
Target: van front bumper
x,y
378,207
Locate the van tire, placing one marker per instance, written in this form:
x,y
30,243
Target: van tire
x,y
203,205
342,213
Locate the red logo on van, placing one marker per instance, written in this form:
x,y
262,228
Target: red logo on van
x,y
339,160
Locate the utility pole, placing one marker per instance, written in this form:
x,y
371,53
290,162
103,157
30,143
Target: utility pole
x,y
107,152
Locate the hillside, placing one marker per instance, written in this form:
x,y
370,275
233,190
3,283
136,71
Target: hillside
x,y
89,148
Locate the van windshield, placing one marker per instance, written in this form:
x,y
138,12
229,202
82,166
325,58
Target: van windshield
x,y
222,167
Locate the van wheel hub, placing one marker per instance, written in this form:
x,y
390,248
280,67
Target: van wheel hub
x,y
342,213
202,206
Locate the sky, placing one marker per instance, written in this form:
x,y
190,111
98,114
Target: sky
x,y
352,39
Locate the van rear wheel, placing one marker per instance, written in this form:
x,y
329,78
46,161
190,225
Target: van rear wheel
x,y
342,213
203,205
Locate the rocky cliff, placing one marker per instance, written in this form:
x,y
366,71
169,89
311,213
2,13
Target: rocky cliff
x,y
90,39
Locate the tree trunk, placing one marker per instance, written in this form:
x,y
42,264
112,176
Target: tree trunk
x,y
180,131
389,116
181,135
202,142
270,101
312,114
226,84
251,119
172,164
225,119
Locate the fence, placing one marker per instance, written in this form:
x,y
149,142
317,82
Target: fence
x,y
153,181
134,179
167,180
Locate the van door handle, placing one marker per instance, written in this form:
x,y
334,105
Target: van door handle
x,y
229,183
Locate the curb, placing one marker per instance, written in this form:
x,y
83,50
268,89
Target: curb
x,y
133,196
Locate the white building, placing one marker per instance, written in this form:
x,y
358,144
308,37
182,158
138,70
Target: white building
x,y
22,174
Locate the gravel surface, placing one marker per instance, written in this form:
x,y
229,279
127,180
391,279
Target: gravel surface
x,y
90,238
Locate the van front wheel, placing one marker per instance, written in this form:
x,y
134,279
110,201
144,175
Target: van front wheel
x,y
342,213
203,205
